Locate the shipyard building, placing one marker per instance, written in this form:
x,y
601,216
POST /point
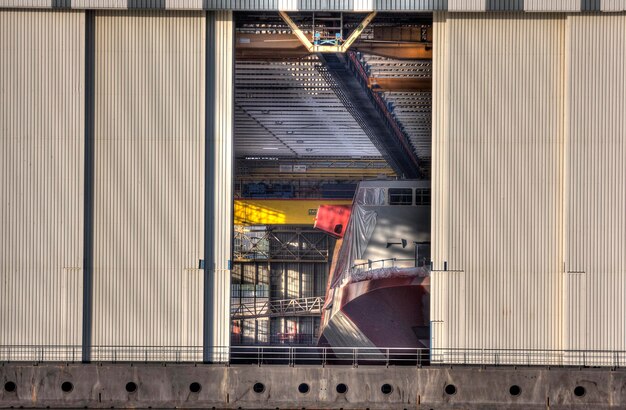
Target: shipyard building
x,y
162,164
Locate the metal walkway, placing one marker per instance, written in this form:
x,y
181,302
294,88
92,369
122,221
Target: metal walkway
x,y
279,308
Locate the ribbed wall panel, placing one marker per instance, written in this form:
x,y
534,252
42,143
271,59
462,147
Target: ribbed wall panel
x,y
467,5
613,5
41,177
287,5
149,178
223,24
183,4
497,154
448,310
441,320
100,4
329,5
26,3
596,176
505,5
552,5
425,5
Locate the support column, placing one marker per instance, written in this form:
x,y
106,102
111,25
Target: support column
x,y
89,187
219,184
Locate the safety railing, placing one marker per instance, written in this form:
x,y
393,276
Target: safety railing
x,y
41,353
259,355
321,356
278,308
529,357
386,263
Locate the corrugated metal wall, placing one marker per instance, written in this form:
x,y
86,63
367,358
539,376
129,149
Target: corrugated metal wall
x,y
100,4
497,179
596,177
222,24
41,177
552,5
528,182
149,178
613,5
328,5
26,3
466,5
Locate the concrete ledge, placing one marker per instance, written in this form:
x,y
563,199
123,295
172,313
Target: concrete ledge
x,y
104,385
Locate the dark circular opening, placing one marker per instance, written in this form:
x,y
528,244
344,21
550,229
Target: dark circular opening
x,y
579,391
515,390
131,387
67,387
10,386
342,388
195,387
303,388
450,389
386,388
258,388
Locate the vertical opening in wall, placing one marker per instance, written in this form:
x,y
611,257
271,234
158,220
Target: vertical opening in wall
x,y
308,128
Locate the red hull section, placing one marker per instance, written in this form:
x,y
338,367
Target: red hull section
x,y
389,312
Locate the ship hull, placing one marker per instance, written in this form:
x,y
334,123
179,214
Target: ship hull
x,y
388,312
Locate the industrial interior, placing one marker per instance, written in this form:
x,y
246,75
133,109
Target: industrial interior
x,y
309,126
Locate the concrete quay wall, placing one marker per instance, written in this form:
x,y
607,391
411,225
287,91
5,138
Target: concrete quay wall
x,y
280,387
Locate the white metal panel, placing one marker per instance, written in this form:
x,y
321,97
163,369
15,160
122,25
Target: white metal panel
x,y
440,150
467,5
288,5
575,308
26,3
448,312
149,178
41,177
596,175
613,5
497,154
223,166
363,5
552,5
100,4
183,4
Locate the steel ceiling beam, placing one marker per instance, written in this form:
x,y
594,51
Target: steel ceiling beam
x,y
314,48
396,84
379,126
282,46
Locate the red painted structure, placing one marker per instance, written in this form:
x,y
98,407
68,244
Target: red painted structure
x,y
333,219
